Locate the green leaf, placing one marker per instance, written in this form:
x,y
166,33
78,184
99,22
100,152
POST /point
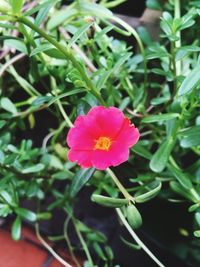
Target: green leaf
x,y
129,244
197,218
23,82
153,4
160,100
40,100
197,233
142,151
8,26
43,11
5,7
161,117
16,5
41,48
44,216
26,214
190,137
108,201
8,105
109,253
16,228
133,216
2,123
144,35
40,6
79,33
95,9
194,207
60,17
62,175
183,179
149,195
7,197
179,189
106,74
99,251
5,210
186,50
191,81
36,168
55,53
99,35
72,92
161,156
80,179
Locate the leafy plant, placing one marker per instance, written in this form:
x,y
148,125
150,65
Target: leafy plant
x,y
57,62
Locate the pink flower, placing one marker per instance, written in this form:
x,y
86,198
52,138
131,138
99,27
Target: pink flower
x,y
101,138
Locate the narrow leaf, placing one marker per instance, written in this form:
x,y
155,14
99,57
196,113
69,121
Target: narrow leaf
x,y
190,137
16,228
80,179
161,117
191,81
16,5
142,151
41,48
149,195
108,201
26,214
133,216
160,158
36,168
183,179
8,105
79,33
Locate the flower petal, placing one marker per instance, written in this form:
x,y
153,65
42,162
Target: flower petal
x,y
104,159
101,122
78,138
128,135
109,120
82,157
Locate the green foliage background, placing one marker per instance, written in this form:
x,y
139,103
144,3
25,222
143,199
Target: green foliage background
x,y
63,60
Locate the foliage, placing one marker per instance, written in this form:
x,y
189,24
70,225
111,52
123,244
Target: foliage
x,y
59,61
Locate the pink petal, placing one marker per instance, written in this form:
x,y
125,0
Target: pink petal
x,y
81,157
109,120
128,135
79,138
104,159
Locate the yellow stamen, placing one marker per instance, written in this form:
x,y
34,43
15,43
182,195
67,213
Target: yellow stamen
x,y
103,143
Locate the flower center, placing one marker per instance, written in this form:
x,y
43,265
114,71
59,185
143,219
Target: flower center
x,y
103,143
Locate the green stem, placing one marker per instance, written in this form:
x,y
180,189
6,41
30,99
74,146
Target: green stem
x,y
174,67
67,53
120,186
69,123
69,243
177,15
49,248
136,238
83,243
137,38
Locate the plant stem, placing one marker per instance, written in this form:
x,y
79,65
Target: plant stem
x,y
173,61
137,38
177,15
69,243
176,65
83,243
53,84
120,186
67,52
46,245
136,238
